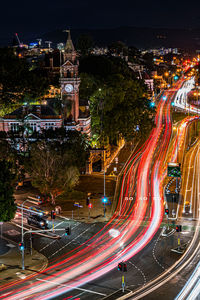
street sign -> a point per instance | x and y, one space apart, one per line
78 204
174 170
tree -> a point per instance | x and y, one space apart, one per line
118 48
134 55
148 61
18 82
76 145
5 149
120 109
7 205
51 170
84 44
89 84
117 99
73 142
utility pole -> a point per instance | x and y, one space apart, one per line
123 268
104 200
22 233
31 242
21 245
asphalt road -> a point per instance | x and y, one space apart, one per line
143 267
151 261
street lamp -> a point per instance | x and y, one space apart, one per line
167 77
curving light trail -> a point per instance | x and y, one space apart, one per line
180 100
102 252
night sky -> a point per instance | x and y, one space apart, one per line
30 18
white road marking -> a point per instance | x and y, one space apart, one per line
64 218
154 255
77 295
75 288
12 232
71 241
58 224
11 245
56 240
144 277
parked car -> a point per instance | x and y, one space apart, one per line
38 221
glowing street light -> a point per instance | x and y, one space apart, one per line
104 201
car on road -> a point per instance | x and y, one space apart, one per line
38 221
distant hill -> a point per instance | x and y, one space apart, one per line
133 36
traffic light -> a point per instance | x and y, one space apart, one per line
90 205
125 268
166 211
68 231
178 228
122 267
53 215
104 199
88 201
21 246
152 104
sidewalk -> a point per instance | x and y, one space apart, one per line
10 263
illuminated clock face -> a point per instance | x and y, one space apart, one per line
69 88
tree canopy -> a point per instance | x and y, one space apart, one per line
51 169
84 44
117 99
17 82
7 205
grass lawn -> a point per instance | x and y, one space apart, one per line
88 184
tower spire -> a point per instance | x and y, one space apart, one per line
69 47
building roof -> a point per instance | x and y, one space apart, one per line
41 111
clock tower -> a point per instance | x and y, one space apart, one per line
70 82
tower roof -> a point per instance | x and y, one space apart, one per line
69 47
